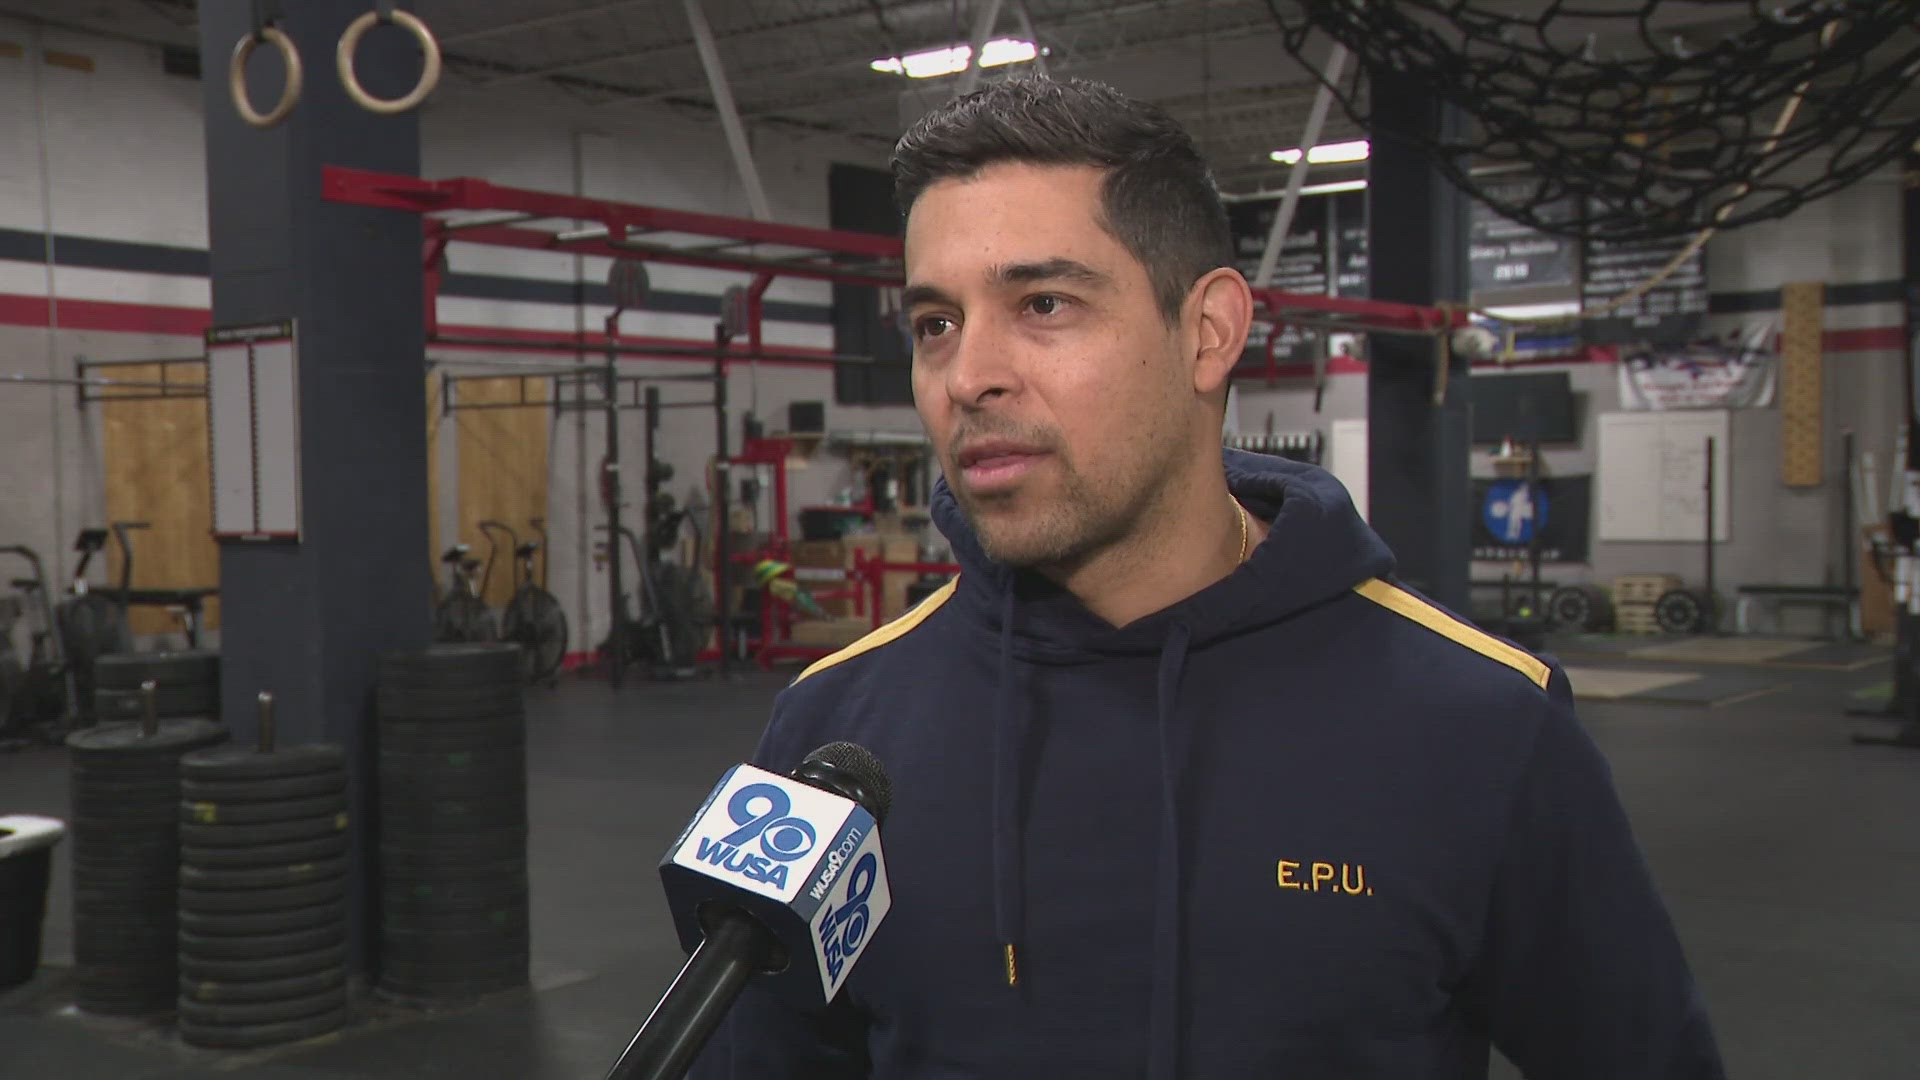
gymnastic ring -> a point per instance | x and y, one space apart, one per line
429 71
237 77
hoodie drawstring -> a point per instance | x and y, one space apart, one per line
1163 1028
1009 752
1009 744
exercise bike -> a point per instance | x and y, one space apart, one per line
93 623
34 695
676 613
461 615
533 618
676 606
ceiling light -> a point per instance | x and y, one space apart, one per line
953 59
1325 154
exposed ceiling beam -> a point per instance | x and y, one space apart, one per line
839 102
692 104
678 45
872 8
540 21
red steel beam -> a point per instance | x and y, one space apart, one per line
1363 314
536 240
623 220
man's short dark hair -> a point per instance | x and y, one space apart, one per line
1158 199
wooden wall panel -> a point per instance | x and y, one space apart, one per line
157 471
503 465
1802 326
433 482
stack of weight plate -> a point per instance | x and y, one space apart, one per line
263 917
126 861
453 823
187 683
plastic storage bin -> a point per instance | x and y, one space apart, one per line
26 864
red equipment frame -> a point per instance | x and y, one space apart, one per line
742 245
732 243
802 251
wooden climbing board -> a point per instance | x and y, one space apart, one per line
155 456
1804 305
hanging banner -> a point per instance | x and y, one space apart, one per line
1350 244
1504 255
1705 375
1301 267
1508 512
1671 313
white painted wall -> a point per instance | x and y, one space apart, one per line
1780 535
122 152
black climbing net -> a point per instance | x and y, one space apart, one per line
1609 119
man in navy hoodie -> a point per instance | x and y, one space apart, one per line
1186 785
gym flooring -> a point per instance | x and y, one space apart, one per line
1789 856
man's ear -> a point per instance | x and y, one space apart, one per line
1221 305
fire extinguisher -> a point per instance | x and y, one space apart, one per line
609 483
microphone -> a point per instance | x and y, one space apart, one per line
776 876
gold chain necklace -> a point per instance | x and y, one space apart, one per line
1241 513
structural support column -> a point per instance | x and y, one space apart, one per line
306 620
729 115
1025 18
984 17
1417 451
1297 176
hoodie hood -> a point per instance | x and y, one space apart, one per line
1317 548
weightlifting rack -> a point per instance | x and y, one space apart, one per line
472 210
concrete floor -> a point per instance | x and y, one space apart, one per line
1790 857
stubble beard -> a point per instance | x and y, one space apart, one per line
1066 530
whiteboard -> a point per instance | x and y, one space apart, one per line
230 427
1653 472
277 445
1347 460
253 421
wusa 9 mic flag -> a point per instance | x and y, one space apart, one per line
805 862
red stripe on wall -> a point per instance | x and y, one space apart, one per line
112 315
16 310
1864 340
564 341
115 316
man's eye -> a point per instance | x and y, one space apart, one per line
931 326
1046 304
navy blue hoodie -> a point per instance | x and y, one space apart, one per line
1303 823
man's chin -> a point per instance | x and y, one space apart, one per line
1019 543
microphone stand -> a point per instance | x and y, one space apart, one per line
696 1003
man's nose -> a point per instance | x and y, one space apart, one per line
983 366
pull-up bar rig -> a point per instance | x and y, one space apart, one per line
540 221
504 216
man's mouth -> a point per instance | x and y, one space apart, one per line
991 466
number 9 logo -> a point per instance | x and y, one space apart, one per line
787 839
855 930
783 838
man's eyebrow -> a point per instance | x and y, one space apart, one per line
914 295
1024 273
1059 268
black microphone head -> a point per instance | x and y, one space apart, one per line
799 853
850 771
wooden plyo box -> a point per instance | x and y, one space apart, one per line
838 555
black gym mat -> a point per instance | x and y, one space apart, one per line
1840 656
1712 690
1703 689
1723 651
